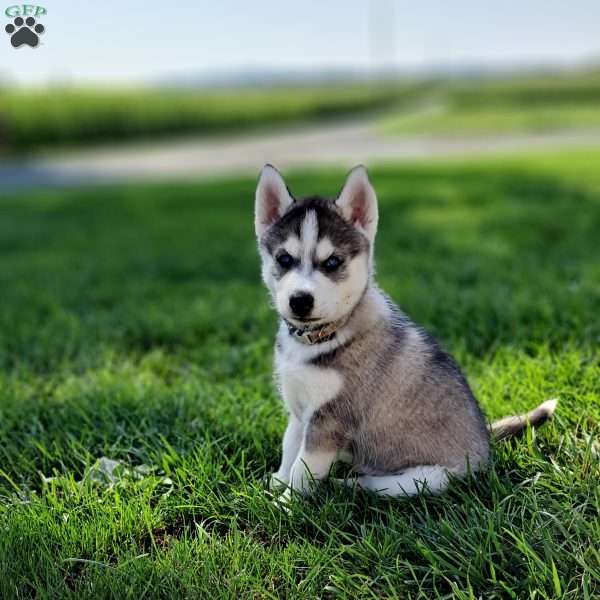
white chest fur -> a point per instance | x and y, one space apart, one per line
304 387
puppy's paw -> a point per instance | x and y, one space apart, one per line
283 500
301 480
278 481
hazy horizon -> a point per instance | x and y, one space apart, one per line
141 43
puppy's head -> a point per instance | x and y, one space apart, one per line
316 253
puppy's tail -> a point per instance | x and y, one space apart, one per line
516 425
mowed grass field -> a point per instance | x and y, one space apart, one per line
519 104
44 119
40 119
133 328
446 120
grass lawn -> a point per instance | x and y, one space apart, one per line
44 119
33 119
516 104
449 120
133 327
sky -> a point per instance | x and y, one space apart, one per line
131 42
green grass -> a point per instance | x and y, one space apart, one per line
566 88
46 118
494 120
518 104
133 326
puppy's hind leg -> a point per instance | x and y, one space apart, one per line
433 479
311 465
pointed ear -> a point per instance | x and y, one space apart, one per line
272 199
358 202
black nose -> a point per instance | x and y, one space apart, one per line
301 304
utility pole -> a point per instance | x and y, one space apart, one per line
382 35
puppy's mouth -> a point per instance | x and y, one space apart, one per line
306 323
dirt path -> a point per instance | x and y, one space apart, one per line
342 144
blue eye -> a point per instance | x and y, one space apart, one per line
285 260
332 263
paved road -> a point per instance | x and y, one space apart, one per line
342 144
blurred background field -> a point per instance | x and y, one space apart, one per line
36 119
400 72
495 105
459 106
70 135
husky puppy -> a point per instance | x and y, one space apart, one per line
361 382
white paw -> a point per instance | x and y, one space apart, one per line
282 502
300 479
278 480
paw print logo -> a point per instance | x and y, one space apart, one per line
24 32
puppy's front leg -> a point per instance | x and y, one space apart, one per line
292 440
317 454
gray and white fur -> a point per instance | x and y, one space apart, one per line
374 390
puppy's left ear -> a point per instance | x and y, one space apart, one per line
358 202
272 199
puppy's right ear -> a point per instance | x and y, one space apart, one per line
358 202
272 199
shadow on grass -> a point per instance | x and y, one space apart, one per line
481 257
